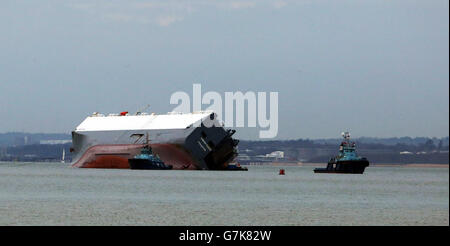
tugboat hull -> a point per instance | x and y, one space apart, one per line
231 167
144 164
349 167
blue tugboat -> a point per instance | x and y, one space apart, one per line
235 167
347 160
147 160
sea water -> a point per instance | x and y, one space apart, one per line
57 194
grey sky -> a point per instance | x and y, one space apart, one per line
377 68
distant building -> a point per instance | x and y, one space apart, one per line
406 153
3 152
276 155
55 141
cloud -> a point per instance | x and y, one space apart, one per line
146 5
279 4
81 6
161 12
167 20
242 5
121 17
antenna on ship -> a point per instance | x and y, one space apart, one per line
143 109
147 140
63 156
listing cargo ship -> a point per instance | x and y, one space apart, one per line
347 160
193 141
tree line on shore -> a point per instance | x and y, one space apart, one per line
29 147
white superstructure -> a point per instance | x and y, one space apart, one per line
141 122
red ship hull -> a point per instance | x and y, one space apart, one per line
116 156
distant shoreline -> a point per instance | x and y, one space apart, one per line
413 165
298 164
421 165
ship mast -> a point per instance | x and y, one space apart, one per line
139 112
63 156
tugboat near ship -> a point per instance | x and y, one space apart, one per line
235 167
148 160
347 160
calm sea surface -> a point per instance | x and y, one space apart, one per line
56 194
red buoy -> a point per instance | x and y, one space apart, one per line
281 171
